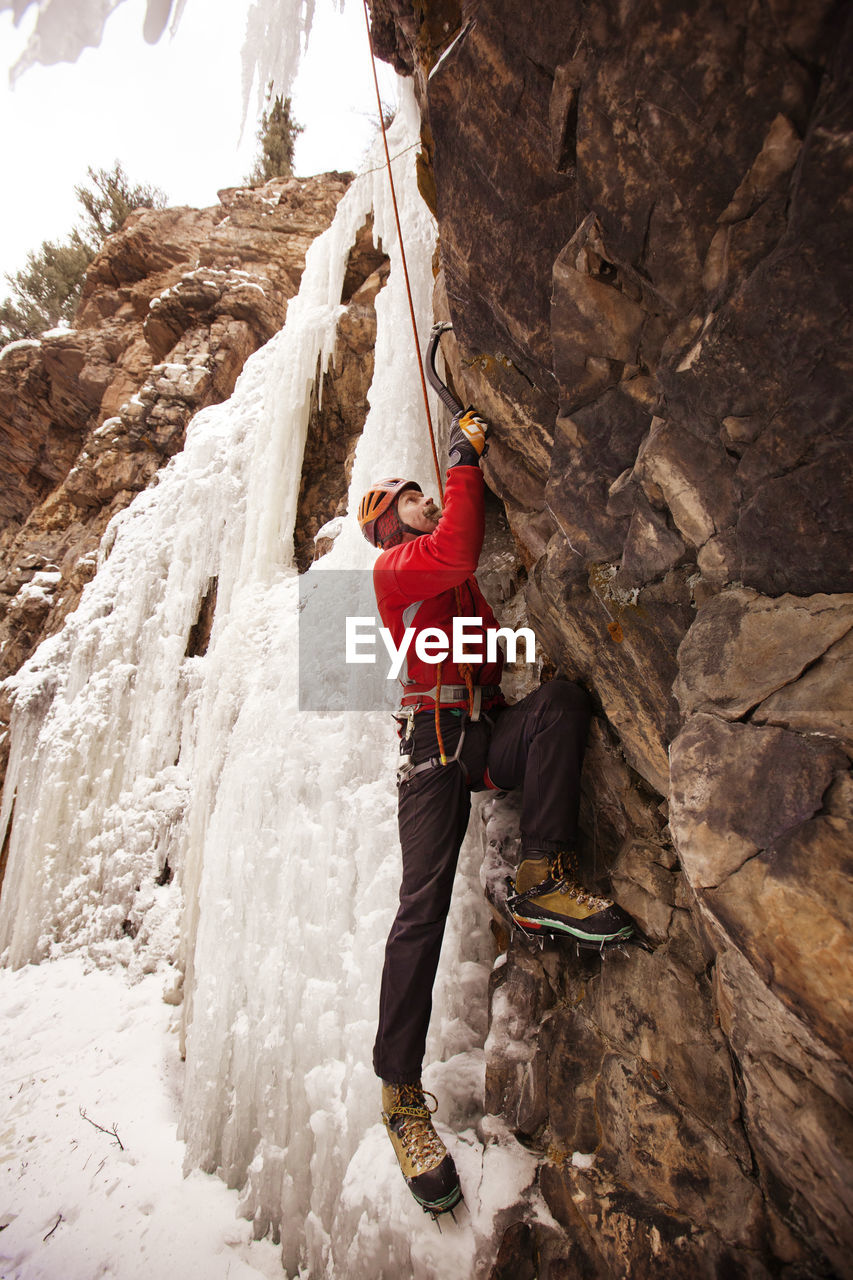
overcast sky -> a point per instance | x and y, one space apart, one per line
171 112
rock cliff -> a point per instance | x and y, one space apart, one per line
643 215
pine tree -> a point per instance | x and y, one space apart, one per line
277 135
109 199
47 289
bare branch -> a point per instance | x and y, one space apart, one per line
111 1133
53 1228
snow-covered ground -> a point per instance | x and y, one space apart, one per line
77 1203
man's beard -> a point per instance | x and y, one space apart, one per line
432 512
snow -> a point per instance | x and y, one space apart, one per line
450 48
330 529
76 1204
40 587
20 344
181 826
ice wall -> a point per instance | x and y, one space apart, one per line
279 826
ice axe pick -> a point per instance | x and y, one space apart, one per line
442 391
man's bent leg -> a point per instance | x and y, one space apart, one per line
433 815
539 745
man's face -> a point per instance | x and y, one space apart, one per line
418 511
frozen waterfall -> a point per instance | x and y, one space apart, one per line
278 825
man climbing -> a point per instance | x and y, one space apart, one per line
458 735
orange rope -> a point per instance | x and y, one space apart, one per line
442 755
465 667
403 254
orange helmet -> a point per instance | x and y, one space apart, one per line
379 497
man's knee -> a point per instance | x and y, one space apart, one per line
564 700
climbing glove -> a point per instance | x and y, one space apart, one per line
468 434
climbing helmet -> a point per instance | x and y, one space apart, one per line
378 499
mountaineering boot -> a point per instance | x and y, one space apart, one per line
548 899
428 1169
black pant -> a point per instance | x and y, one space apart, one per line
538 744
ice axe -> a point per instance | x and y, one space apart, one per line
443 392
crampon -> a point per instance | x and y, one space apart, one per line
546 900
536 935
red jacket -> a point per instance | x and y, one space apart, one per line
415 584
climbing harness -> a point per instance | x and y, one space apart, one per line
450 695
407 769
444 695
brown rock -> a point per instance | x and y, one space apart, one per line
633 675
43 416
521 986
737 788
821 701
797 1098
575 1056
790 911
591 450
514 1259
808 512
693 478
563 117
652 1007
610 1231
705 202
645 888
591 315
776 159
743 647
718 564
664 1153
616 808
651 547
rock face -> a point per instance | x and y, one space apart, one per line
643 215
172 307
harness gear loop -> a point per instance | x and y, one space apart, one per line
403 254
407 769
